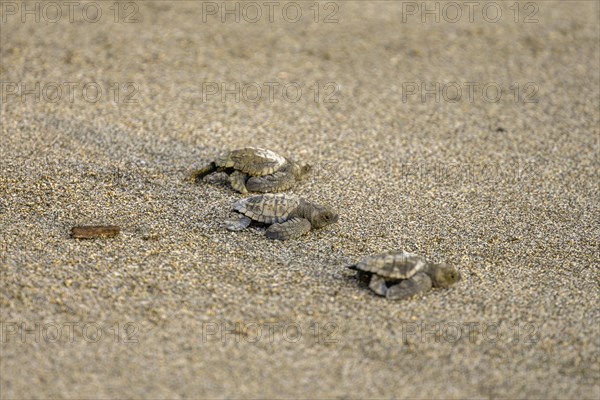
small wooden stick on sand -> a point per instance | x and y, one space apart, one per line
96 231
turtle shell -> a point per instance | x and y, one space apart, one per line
393 265
268 208
252 161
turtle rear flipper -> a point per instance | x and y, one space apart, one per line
200 173
419 283
237 222
238 181
289 229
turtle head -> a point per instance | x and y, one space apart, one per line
320 216
301 170
443 275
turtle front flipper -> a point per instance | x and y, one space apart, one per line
289 229
419 283
277 182
377 284
238 181
237 222
200 173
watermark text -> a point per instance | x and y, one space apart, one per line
254 92
71 92
53 12
454 92
68 332
269 11
469 11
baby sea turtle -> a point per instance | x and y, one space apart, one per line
399 275
289 216
256 170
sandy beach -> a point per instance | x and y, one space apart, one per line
469 136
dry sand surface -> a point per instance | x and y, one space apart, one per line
504 185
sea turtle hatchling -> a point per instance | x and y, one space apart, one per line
399 275
289 216
256 170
